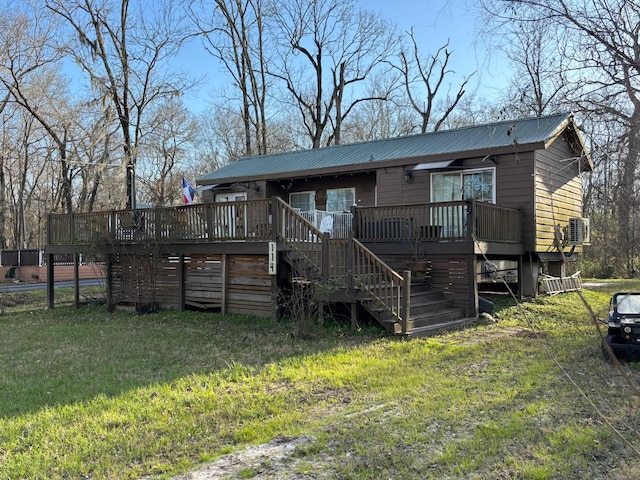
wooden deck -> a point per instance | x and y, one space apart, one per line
237 256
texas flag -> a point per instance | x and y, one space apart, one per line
187 191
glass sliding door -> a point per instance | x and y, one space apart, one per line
456 186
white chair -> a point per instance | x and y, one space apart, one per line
326 225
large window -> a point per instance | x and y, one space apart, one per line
341 199
464 185
303 201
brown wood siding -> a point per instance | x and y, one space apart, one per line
203 281
364 183
143 280
390 186
558 189
393 189
249 285
450 274
417 189
514 188
167 282
132 280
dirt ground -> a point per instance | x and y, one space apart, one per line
270 461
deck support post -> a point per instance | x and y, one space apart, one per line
349 261
405 299
181 279
472 286
50 281
111 307
528 273
274 220
353 307
76 280
224 287
325 257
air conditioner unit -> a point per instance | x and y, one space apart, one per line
579 231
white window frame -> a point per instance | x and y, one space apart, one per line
310 193
461 174
351 189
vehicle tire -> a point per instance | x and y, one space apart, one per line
605 351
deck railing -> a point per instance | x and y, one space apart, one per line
343 261
381 283
336 224
302 237
496 223
443 221
252 221
243 220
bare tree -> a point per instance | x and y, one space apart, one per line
604 67
125 52
429 74
233 33
540 84
169 137
29 76
94 144
325 49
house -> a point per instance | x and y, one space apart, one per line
452 207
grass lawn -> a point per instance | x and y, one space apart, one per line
88 394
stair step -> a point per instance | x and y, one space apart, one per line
429 294
430 329
421 287
435 318
428 306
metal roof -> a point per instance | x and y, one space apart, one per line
374 154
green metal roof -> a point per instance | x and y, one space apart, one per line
373 154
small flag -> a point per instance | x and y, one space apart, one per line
187 191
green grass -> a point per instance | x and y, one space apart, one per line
88 394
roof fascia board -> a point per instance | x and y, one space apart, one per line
569 123
397 162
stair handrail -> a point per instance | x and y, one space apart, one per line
299 234
381 283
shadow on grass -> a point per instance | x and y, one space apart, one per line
65 355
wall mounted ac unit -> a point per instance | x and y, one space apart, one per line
579 231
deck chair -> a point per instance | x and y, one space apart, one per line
326 225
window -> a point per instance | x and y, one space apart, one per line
478 185
303 201
341 199
463 185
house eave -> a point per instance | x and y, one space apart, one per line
376 165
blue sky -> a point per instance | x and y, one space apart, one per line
434 22
460 22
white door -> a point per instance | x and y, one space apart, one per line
230 219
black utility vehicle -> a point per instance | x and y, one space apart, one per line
623 334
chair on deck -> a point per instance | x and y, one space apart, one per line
326 225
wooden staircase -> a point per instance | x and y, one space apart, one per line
405 308
430 311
